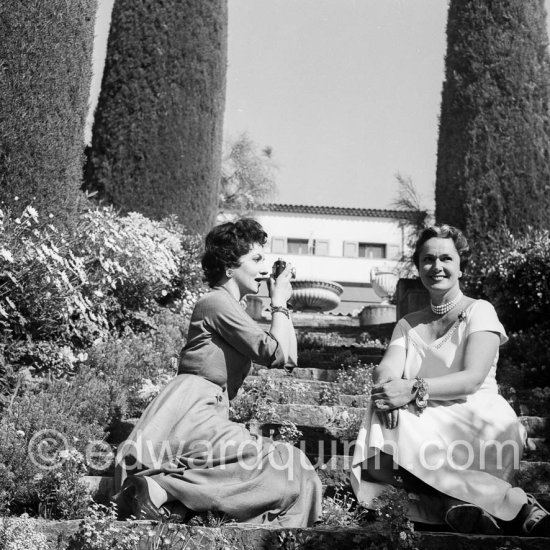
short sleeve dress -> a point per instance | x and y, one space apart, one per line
468 449
187 444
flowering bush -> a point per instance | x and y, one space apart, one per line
43 284
61 292
20 534
44 435
514 276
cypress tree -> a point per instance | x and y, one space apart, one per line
493 156
157 136
45 74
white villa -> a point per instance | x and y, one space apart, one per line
335 244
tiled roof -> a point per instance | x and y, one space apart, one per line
337 211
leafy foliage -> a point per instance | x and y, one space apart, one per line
248 176
493 162
60 291
157 136
46 426
46 71
514 276
513 273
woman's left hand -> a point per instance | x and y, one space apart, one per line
392 393
390 418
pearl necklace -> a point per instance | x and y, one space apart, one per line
445 307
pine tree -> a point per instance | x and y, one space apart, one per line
493 163
45 75
157 136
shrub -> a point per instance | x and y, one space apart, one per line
59 292
21 534
514 275
46 72
157 136
525 360
493 159
139 365
518 281
45 435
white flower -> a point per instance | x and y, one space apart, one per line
20 433
6 254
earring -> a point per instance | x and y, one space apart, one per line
459 274
229 273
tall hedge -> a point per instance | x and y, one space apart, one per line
157 136
493 161
45 74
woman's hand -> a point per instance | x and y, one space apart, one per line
392 393
280 289
390 419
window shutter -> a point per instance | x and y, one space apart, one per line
321 247
278 245
351 249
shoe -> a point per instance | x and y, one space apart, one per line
471 519
537 521
133 500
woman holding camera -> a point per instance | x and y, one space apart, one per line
185 455
437 419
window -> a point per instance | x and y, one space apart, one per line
282 245
297 246
372 250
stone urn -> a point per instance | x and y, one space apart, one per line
384 283
315 295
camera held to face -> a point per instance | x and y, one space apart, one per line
279 266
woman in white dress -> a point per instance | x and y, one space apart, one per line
436 419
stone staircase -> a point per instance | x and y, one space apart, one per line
302 397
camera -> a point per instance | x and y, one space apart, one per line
279 266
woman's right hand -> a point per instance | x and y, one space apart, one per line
280 289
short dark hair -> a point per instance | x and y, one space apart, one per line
226 243
444 231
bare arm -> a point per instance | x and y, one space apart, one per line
392 364
479 354
281 326
293 348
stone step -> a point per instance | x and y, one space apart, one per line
308 392
333 469
313 374
375 535
321 416
335 418
533 477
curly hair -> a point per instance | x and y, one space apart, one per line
444 231
226 243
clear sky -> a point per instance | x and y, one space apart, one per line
346 92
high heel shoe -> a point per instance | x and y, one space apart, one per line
471 519
133 500
537 519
